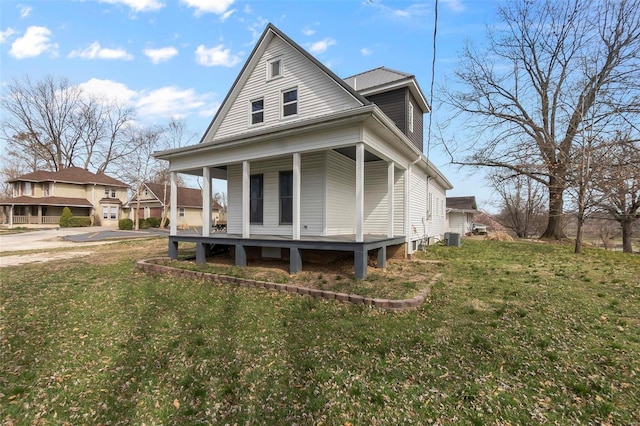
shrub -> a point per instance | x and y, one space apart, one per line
143 224
153 222
65 217
166 223
81 221
125 224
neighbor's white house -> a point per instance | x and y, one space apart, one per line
315 162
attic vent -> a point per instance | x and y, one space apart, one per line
274 68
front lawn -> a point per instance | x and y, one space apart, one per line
514 333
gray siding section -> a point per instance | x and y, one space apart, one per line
341 194
395 105
317 93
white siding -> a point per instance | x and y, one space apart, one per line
312 191
438 218
418 219
234 199
398 203
341 194
312 195
317 93
376 199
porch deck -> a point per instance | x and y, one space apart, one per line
345 243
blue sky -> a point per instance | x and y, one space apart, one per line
179 58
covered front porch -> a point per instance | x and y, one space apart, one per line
34 213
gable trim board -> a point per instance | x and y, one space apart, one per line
256 55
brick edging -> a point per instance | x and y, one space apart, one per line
150 266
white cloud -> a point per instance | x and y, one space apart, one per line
33 43
216 56
171 101
308 31
4 35
226 15
455 5
365 52
218 7
25 10
138 5
95 51
414 11
109 89
160 55
321 46
162 103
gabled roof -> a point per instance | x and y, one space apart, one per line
46 201
269 33
462 204
70 175
383 79
187 197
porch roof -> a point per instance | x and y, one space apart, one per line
46 201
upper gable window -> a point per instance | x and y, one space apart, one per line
410 117
257 111
290 102
274 68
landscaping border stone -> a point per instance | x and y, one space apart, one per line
152 266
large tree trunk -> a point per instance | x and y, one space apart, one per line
626 236
579 234
555 225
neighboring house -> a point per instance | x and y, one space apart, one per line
156 196
314 162
460 211
39 197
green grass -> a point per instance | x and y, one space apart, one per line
514 333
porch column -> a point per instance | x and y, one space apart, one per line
173 215
206 201
296 196
246 199
407 206
40 215
390 197
11 216
360 192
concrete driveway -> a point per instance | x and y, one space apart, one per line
78 240
68 237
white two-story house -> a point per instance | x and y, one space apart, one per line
315 162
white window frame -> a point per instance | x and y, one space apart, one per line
270 63
410 116
181 212
283 104
251 112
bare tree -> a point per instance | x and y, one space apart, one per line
139 167
45 112
521 203
546 67
54 125
619 184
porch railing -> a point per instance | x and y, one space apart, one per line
33 220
